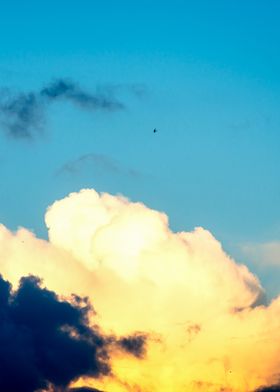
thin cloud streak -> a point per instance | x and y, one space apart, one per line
92 161
23 115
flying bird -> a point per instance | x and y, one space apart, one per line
155 130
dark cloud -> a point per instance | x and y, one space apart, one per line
272 388
23 114
135 344
65 89
46 343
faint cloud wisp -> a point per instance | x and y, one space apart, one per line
23 114
92 161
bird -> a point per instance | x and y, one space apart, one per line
155 130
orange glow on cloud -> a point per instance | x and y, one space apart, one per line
208 326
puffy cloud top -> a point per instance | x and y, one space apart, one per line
208 325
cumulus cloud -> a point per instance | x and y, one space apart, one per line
23 114
205 317
83 389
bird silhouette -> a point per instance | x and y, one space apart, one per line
155 130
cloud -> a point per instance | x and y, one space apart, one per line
65 89
273 388
23 115
204 323
135 344
45 341
93 161
83 389
267 253
137 89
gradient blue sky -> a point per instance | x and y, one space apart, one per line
209 71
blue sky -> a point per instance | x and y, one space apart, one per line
208 74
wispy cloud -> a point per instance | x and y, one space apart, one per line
135 344
65 89
266 253
137 89
23 114
92 161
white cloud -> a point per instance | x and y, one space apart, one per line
196 302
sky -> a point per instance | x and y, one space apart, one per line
84 177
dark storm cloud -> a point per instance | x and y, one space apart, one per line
46 343
23 114
272 388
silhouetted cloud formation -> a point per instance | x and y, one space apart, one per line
135 344
23 114
272 388
47 343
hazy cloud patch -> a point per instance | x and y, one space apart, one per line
93 162
23 115
266 253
